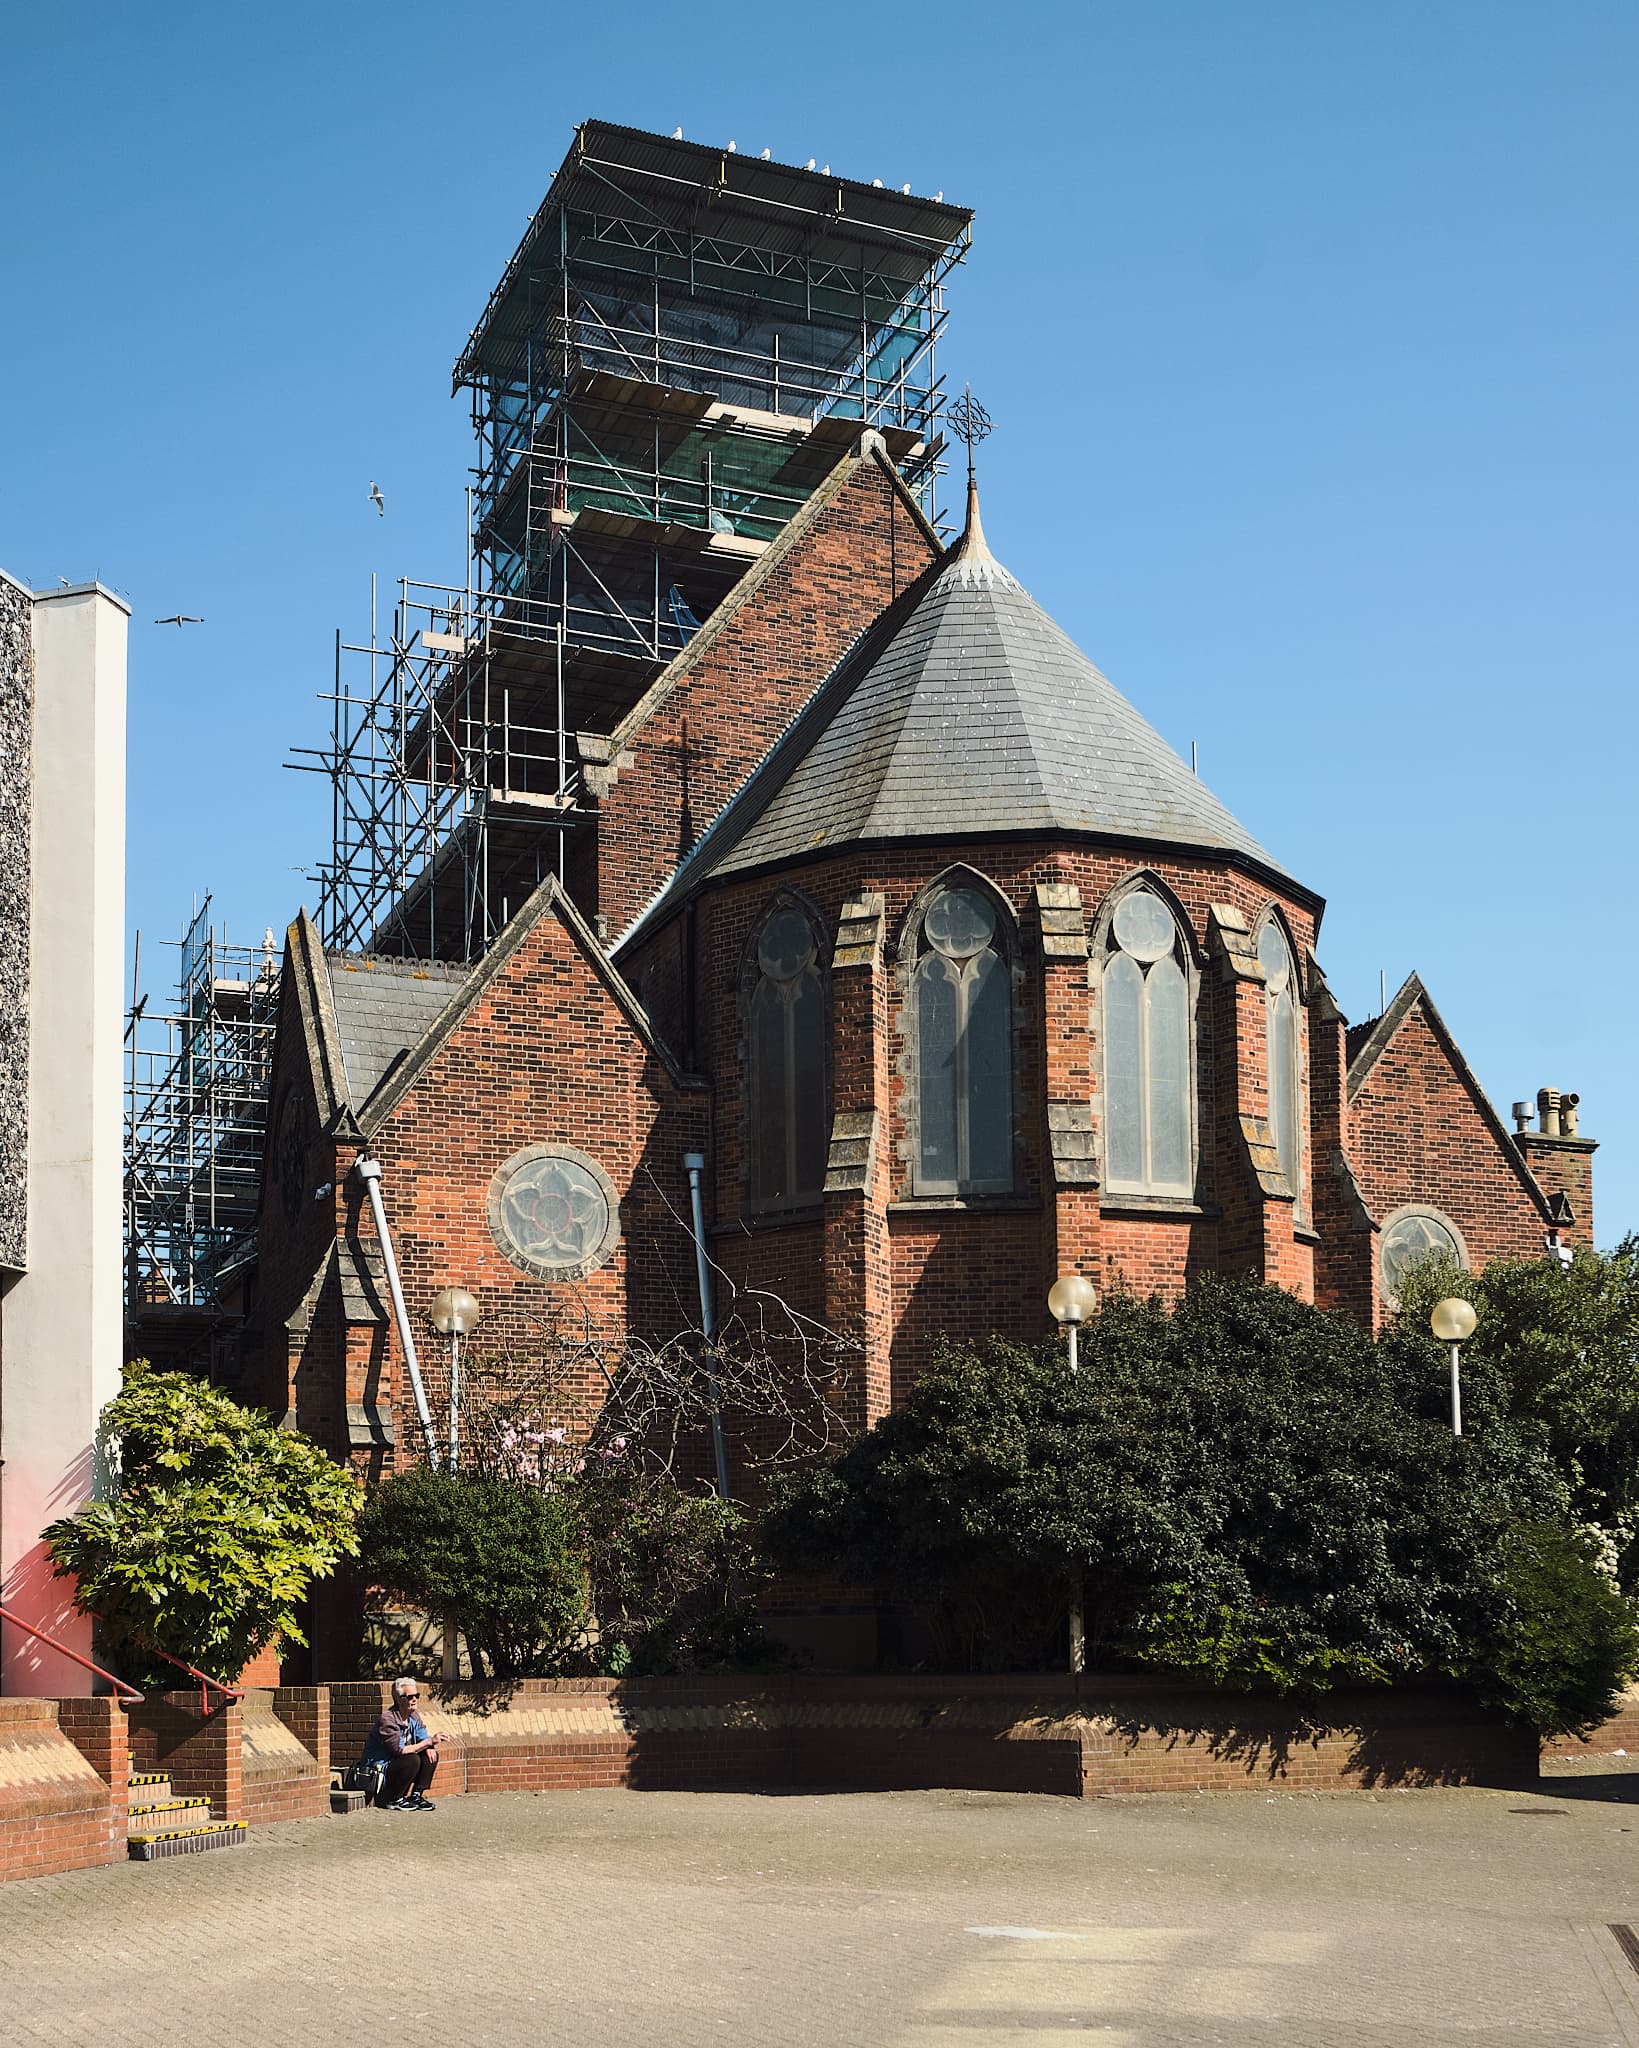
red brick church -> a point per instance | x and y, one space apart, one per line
956 978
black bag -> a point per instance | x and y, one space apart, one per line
367 1778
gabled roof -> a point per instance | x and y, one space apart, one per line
373 1026
967 712
1380 1035
870 448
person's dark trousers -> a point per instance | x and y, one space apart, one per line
407 1774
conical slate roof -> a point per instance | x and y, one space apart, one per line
975 715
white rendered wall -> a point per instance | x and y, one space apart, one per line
63 1318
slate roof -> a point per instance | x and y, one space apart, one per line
968 712
384 1008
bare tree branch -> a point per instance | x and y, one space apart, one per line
577 1392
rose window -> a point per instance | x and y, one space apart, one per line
1413 1233
554 1212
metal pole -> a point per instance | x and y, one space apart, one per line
451 1669
455 1400
1456 1395
1075 1362
694 1164
369 1171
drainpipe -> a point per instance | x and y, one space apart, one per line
694 1164
369 1171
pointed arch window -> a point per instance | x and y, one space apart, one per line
785 1080
962 1005
1285 1086
1149 1120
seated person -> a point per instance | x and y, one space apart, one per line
402 1743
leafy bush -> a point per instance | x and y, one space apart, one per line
1564 1346
674 1573
1246 1489
496 1556
218 1524
1566 1640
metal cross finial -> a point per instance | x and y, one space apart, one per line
969 422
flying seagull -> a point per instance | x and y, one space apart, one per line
377 499
180 619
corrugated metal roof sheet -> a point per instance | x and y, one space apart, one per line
684 185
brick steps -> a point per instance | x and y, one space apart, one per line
149 1816
161 1824
151 1848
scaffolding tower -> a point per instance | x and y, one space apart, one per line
683 346
196 1084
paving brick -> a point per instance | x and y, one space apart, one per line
613 1920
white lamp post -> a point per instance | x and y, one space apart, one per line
1452 1321
455 1311
1072 1301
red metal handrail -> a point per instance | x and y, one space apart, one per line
228 1692
126 1691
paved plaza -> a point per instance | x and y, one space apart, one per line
901 1920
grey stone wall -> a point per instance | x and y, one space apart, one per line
16 730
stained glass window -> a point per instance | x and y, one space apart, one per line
1412 1234
963 1007
1285 1085
786 1054
554 1212
1148 1096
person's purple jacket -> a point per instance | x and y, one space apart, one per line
392 1731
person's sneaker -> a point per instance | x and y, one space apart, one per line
422 1803
401 1806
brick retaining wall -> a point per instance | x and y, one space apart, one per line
1029 1734
1616 1737
201 1752
264 1757
57 1812
284 1754
63 1772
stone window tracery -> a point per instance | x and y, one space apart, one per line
1411 1233
554 1212
785 1058
1285 1051
1149 1109
962 1031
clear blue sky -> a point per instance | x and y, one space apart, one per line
1309 332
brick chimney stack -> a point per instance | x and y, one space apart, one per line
1560 1158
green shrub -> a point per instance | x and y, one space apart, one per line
674 1572
1566 1639
218 1524
1247 1490
497 1556
1563 1345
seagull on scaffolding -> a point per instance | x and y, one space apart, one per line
180 619
377 499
